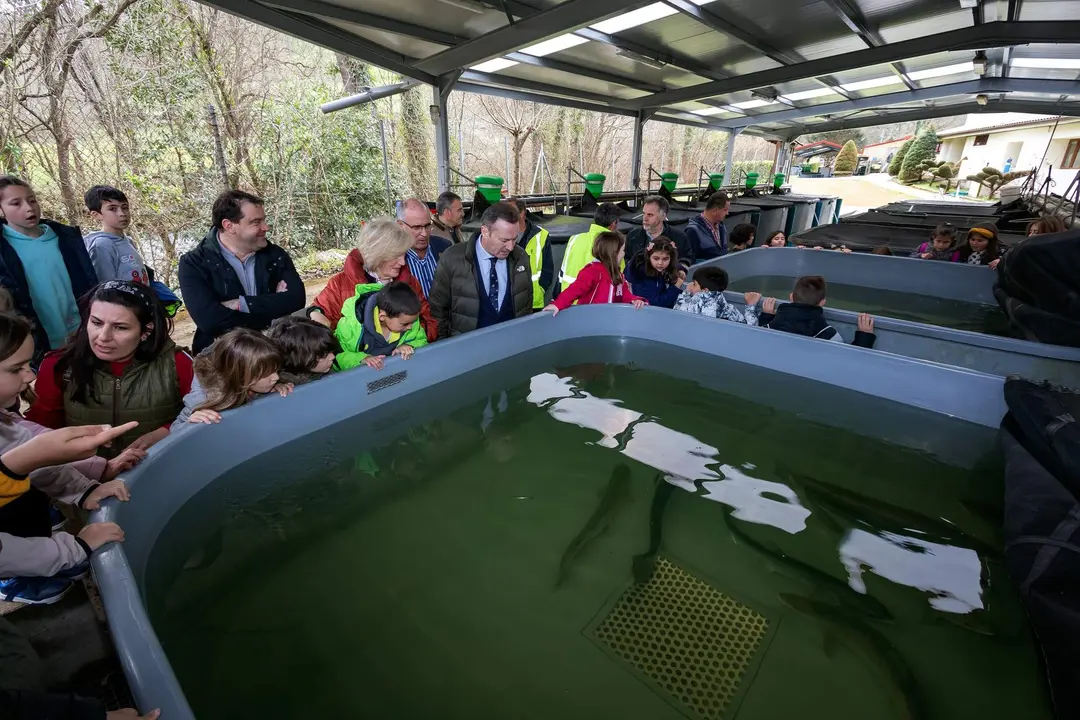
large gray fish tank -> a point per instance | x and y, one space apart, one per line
611 513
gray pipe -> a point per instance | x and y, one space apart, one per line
368 95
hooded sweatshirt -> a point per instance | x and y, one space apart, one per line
712 303
115 257
360 333
24 503
809 320
343 284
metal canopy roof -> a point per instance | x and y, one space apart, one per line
776 68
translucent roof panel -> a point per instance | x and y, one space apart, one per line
703 59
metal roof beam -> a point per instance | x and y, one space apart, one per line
359 17
513 83
667 115
601 75
544 99
667 57
316 31
970 87
994 106
722 25
563 18
986 35
855 22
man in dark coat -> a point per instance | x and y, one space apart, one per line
235 277
706 232
484 281
654 223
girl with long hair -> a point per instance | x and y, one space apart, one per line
601 281
983 246
654 273
240 366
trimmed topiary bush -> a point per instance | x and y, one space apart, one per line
992 178
898 158
847 160
923 149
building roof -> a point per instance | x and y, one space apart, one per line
821 147
739 64
823 144
889 142
993 122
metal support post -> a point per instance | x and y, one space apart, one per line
730 159
440 96
635 154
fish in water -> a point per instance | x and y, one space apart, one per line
823 584
843 509
615 495
871 647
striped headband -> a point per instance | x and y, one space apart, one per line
988 234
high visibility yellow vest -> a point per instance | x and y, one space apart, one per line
535 249
578 254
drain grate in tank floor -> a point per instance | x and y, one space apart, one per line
690 640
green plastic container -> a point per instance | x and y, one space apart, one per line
778 180
669 181
751 180
716 181
490 186
594 184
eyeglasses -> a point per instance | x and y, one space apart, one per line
417 228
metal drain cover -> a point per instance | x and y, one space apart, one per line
684 638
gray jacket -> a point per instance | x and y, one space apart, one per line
115 257
43 556
192 400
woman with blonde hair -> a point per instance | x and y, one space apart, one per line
379 258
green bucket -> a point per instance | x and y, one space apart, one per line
751 180
490 187
716 181
669 180
778 180
594 184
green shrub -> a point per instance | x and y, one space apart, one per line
923 149
847 160
898 158
992 178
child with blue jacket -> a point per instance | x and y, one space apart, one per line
654 273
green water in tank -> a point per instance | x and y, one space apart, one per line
603 541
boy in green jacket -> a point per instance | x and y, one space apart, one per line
378 321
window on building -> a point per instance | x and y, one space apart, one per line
1072 156
981 139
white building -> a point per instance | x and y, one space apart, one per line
1017 140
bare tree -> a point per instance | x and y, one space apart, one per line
66 28
518 119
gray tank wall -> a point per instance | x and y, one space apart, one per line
985 353
189 460
952 281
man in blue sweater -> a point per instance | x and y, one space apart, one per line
706 232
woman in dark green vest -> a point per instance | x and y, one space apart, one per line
119 366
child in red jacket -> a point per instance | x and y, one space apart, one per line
601 281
